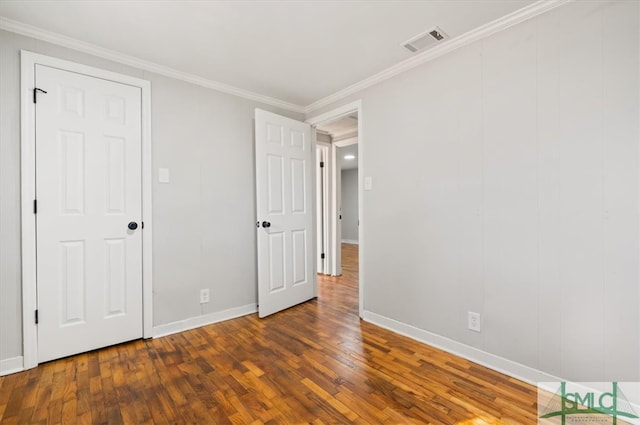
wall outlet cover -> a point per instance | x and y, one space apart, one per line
473 321
204 296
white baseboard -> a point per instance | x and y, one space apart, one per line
351 241
497 363
11 365
206 319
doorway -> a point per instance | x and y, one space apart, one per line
339 217
348 213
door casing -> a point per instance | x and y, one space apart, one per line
28 60
322 206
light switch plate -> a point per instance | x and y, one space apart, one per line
163 175
368 183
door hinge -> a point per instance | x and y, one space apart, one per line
35 206
321 164
36 317
322 256
35 94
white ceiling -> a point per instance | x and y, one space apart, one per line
341 128
295 51
348 164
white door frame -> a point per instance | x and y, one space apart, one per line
334 114
322 208
346 142
28 60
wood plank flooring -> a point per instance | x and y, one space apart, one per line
316 363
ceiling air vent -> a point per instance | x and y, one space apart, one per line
425 40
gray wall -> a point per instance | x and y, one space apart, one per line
514 164
204 233
350 205
321 137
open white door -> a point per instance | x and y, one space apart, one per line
89 208
284 167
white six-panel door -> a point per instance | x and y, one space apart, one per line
88 189
284 167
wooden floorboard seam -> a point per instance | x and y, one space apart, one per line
315 363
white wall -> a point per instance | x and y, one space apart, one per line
349 204
204 231
514 164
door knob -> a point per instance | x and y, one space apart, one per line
133 225
266 224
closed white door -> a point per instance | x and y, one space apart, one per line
284 163
89 207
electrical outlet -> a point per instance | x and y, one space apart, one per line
204 296
473 321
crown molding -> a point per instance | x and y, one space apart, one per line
112 55
448 46
340 137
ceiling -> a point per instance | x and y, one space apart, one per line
295 51
348 164
342 128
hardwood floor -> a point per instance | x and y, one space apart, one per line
315 363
